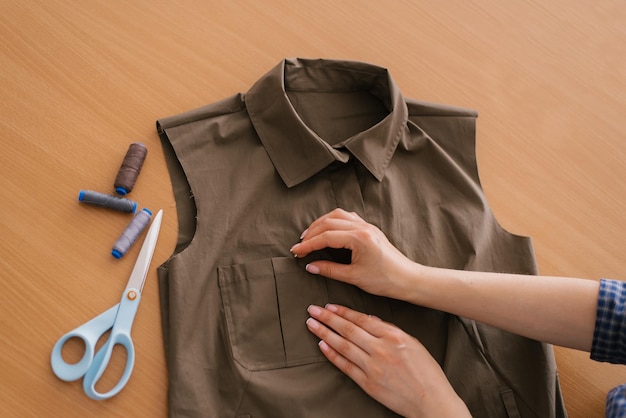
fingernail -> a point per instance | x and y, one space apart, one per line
312 268
312 323
314 310
304 233
331 307
323 345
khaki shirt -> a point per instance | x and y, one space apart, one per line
251 172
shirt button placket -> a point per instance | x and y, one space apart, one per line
345 184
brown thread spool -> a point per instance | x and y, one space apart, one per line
131 166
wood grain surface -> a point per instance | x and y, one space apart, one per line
81 80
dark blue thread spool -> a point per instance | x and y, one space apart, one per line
107 201
130 168
139 222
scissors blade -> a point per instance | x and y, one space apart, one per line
140 271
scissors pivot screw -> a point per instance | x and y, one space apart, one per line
132 295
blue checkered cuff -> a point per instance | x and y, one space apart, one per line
609 337
616 402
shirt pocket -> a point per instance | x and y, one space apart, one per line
265 305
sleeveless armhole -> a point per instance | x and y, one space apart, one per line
180 135
185 203
520 245
459 144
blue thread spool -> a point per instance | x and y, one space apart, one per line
107 201
131 233
131 166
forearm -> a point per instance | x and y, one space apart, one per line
555 310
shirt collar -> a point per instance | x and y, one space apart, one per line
295 150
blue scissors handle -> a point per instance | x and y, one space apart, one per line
120 334
119 319
90 332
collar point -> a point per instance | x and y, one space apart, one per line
379 176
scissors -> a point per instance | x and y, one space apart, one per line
119 319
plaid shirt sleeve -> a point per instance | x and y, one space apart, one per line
609 338
616 402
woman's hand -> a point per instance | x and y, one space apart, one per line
377 266
389 365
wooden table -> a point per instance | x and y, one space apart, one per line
81 80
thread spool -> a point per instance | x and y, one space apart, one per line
131 166
107 201
131 233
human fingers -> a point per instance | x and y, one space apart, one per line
339 350
342 363
331 269
332 238
322 223
346 338
347 332
370 323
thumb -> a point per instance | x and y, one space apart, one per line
331 270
